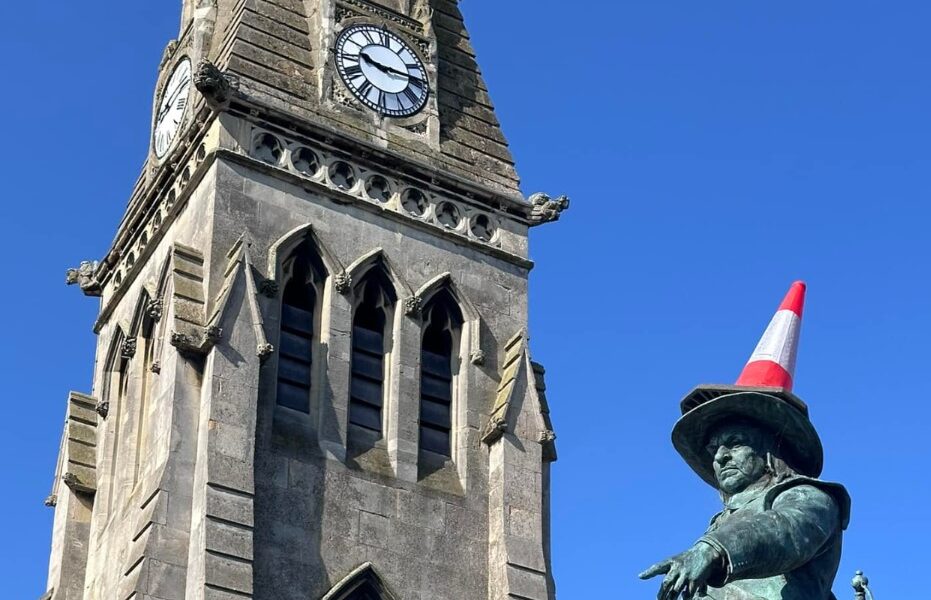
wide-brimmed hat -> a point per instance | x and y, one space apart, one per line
776 410
763 395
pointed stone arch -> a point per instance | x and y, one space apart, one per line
140 314
111 406
284 247
445 280
378 259
113 357
305 312
163 281
449 430
364 583
472 318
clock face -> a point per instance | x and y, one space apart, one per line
171 108
382 70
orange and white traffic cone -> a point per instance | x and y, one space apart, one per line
773 362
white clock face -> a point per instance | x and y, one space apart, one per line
382 70
171 108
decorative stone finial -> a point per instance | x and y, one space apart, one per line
343 283
51 501
154 309
412 306
213 334
128 349
103 409
477 358
83 276
269 288
180 341
545 209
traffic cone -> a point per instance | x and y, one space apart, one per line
773 362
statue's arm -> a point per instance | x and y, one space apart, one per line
778 540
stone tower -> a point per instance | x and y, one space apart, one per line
312 377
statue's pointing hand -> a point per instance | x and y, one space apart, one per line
686 574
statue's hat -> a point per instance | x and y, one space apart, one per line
762 394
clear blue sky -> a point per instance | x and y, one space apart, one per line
714 152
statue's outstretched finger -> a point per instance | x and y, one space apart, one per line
660 568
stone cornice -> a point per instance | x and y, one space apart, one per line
325 190
514 205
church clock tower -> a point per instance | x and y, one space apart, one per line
312 377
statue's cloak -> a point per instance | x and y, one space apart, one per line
783 543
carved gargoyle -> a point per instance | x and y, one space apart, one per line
214 84
545 209
83 276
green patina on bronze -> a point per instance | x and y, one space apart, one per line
780 533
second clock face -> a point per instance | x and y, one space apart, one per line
381 70
171 107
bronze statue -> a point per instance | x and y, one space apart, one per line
779 536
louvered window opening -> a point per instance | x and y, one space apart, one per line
436 375
295 360
368 372
367 391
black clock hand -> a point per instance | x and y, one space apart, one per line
386 69
375 63
403 74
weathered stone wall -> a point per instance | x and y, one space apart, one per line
319 515
141 515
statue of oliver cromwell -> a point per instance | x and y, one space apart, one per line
780 532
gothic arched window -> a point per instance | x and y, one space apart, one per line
439 362
116 382
370 329
304 278
147 335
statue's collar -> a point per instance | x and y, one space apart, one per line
741 499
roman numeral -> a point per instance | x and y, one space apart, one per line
353 71
411 95
368 36
365 88
182 102
382 101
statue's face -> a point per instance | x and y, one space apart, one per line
739 453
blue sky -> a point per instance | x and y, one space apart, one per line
714 152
